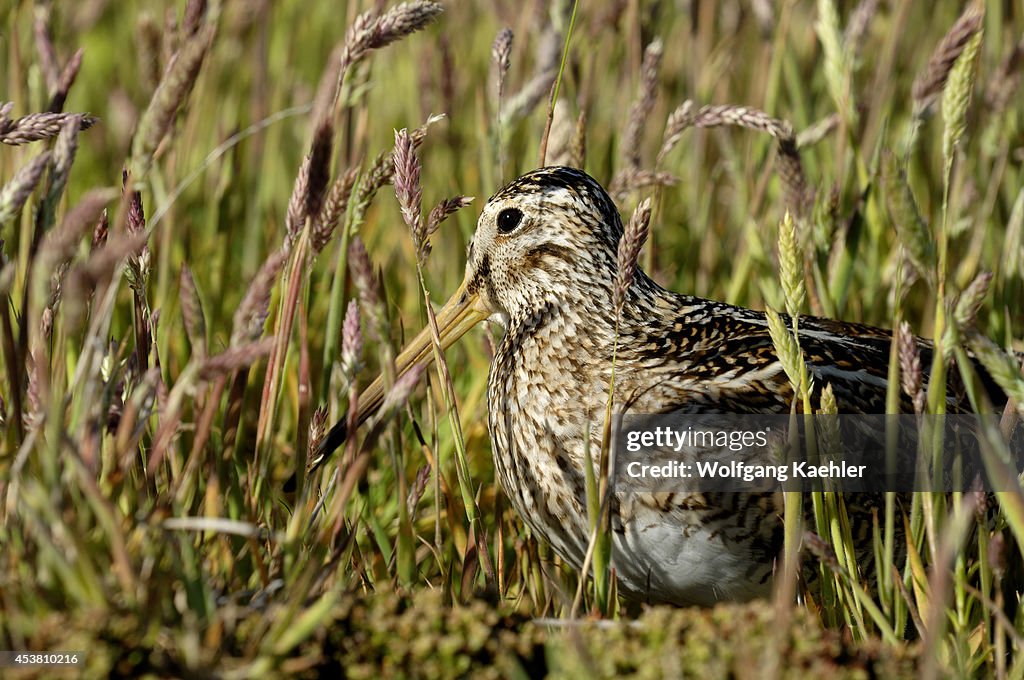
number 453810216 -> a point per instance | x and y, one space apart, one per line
10 659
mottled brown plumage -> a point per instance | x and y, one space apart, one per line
543 264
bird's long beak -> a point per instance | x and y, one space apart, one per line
463 310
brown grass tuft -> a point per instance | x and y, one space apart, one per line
252 312
911 374
633 238
16 192
790 168
929 83
642 105
36 126
410 192
174 88
326 223
371 30
501 52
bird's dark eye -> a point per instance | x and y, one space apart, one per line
509 219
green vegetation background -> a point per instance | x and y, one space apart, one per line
110 513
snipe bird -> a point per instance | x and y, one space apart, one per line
543 264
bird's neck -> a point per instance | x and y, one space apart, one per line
585 315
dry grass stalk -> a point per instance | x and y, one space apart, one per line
911 374
65 81
192 312
327 220
611 16
400 391
791 170
419 486
930 82
34 394
235 358
60 243
633 238
818 131
789 165
174 88
630 180
137 272
351 342
371 30
642 105
36 126
741 116
7 270
410 192
195 11
310 184
369 290
501 52
63 156
678 121
528 97
578 148
307 199
822 550
380 173
295 218
317 427
101 264
135 225
252 312
16 192
560 140
351 358
538 87
445 209
319 167
383 171
100 231
368 32
56 291
306 202
351 468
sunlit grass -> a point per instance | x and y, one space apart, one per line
151 418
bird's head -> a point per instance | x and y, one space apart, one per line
548 237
